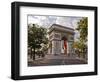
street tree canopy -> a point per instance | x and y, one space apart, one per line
81 44
36 36
83 28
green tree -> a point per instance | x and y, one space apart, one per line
81 44
83 29
36 37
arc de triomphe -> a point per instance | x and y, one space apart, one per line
61 40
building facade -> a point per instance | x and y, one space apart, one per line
61 40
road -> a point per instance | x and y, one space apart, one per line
46 62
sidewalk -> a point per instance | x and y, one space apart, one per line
59 57
48 57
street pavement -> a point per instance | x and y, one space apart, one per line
57 60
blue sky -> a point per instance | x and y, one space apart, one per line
47 21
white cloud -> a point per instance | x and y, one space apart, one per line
70 22
65 21
32 19
47 21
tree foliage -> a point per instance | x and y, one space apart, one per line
83 28
81 44
36 37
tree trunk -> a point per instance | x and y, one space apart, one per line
31 52
34 54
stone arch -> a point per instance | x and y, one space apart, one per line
64 38
64 46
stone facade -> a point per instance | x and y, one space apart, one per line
60 40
